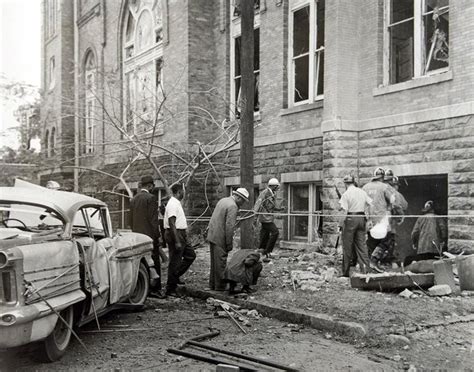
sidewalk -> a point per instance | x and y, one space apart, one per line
367 318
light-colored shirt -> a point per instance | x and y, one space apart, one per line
354 200
382 198
175 209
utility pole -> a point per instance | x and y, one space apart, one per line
247 116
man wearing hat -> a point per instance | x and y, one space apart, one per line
399 208
221 235
355 202
265 206
382 200
429 234
143 219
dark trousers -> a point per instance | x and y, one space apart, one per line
155 255
218 263
379 249
354 244
257 269
268 236
179 258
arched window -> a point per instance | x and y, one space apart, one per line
46 143
53 141
90 82
142 64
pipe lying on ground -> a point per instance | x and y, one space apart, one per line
242 356
210 360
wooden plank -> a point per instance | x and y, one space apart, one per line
388 281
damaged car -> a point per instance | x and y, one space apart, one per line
62 266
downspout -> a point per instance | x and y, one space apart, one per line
76 99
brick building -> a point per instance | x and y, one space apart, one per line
342 87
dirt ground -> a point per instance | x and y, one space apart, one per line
138 341
449 347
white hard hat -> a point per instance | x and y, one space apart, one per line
53 185
273 182
243 193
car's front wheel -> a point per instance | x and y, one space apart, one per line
140 293
54 346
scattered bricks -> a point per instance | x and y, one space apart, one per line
440 290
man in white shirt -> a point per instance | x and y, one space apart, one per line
181 253
355 203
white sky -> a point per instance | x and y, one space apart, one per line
20 50
21 40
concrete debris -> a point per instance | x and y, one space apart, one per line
407 293
440 290
398 340
309 280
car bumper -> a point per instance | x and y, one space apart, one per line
20 325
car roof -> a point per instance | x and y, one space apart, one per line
65 203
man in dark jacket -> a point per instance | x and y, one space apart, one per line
244 267
144 219
221 235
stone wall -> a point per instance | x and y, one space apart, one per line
429 148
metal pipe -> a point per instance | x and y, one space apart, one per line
242 356
207 359
199 338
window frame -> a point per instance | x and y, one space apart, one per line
419 45
314 188
313 75
132 64
236 32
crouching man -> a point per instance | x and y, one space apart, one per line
244 267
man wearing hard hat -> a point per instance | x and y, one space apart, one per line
265 206
379 214
221 235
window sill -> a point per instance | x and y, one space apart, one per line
301 108
415 83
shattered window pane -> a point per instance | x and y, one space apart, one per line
436 35
413 55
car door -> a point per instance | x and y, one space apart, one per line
94 242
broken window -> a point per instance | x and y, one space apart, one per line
237 73
418 38
306 75
142 64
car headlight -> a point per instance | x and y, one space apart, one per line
8 318
4 260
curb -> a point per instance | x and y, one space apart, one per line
318 321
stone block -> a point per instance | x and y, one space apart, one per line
440 290
458 190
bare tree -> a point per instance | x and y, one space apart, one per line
134 135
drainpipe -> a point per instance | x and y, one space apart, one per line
76 99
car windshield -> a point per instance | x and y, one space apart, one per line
27 217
